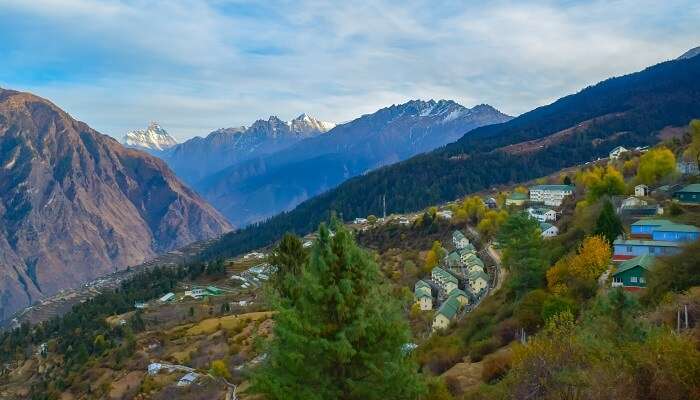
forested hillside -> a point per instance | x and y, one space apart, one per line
630 110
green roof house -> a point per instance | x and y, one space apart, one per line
446 313
214 290
689 194
631 274
424 295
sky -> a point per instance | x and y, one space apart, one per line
195 66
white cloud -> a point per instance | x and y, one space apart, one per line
196 66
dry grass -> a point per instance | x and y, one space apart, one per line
229 323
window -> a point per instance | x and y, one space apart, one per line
629 249
642 280
633 279
652 250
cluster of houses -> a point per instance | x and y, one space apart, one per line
460 279
648 238
256 275
543 199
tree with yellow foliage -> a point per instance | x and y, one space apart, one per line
489 224
521 189
692 153
576 274
601 181
655 165
218 368
432 258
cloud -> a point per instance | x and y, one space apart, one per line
198 65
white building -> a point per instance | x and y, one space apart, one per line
542 214
548 230
445 214
550 195
360 220
617 152
641 190
632 202
167 297
478 281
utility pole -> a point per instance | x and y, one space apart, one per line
384 206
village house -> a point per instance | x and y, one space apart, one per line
548 230
445 214
516 199
478 281
617 152
632 201
491 203
550 195
167 297
360 221
447 311
424 295
459 240
542 214
689 194
640 211
625 249
444 279
461 296
453 260
664 230
631 274
641 190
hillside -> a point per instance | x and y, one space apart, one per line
266 185
630 110
75 204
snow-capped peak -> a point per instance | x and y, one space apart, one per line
153 138
305 124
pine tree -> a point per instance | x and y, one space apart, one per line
342 337
608 223
288 258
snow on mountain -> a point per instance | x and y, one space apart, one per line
154 139
306 125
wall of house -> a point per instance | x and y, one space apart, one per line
640 250
673 236
633 277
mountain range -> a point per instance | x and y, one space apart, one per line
199 157
630 110
75 204
262 186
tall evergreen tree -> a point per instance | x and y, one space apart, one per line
520 237
608 223
289 258
342 337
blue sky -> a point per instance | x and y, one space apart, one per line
195 66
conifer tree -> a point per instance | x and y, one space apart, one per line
608 223
342 337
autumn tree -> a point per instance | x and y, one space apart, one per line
576 274
600 182
693 150
489 224
218 368
655 165
343 337
434 255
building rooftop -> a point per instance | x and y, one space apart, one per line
450 307
545 225
645 261
693 188
642 242
444 274
665 225
517 196
553 187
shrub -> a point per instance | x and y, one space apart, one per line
496 366
479 349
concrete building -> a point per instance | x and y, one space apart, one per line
550 195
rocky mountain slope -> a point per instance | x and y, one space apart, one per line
263 186
75 204
153 139
200 157
630 110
